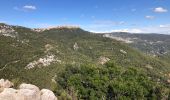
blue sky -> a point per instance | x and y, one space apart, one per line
92 15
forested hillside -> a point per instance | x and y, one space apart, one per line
77 64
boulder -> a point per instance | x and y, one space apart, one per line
8 94
47 95
28 92
25 92
5 84
29 87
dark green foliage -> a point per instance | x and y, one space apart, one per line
110 82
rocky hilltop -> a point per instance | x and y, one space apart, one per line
24 92
55 27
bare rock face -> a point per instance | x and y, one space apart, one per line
123 51
148 66
8 94
29 87
48 47
102 60
55 27
26 92
5 84
45 61
7 30
47 95
75 46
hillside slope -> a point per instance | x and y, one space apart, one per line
42 57
157 45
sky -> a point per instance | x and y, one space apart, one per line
137 16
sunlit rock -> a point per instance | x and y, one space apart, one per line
47 95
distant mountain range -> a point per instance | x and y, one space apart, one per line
78 64
152 44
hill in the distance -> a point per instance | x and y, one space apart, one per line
157 45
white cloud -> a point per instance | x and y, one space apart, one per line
128 30
149 17
118 30
162 29
102 25
165 26
135 30
25 8
160 10
30 7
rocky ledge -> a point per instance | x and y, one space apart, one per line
24 92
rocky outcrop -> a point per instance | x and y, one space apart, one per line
7 30
102 60
43 62
5 84
25 92
8 94
123 51
75 46
48 47
55 27
47 95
